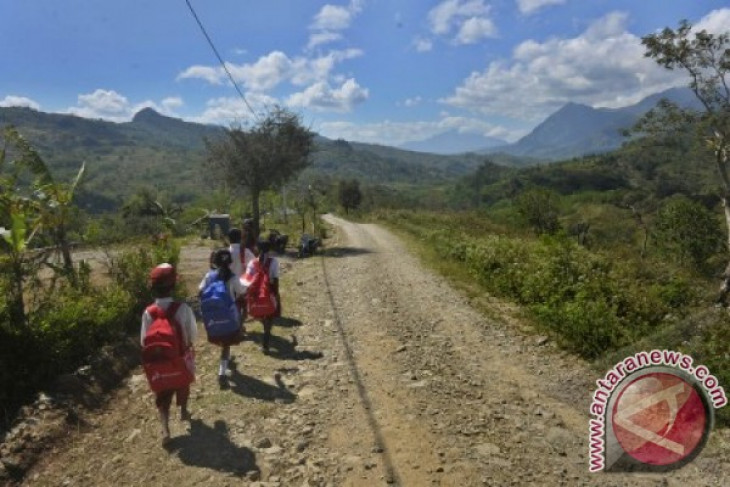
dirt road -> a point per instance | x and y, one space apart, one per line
380 375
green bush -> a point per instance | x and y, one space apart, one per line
79 323
688 231
591 301
68 325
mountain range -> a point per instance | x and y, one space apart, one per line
572 131
168 153
576 130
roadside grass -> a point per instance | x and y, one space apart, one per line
461 278
598 305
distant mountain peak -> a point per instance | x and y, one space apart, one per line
572 107
576 129
148 114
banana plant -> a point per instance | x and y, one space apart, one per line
16 241
52 200
56 212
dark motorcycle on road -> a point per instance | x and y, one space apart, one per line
307 245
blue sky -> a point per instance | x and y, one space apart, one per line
382 71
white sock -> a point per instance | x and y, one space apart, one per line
223 367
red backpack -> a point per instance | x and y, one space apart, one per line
165 359
260 302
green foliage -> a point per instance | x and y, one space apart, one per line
349 194
67 324
711 348
264 157
589 301
688 231
78 322
130 270
539 208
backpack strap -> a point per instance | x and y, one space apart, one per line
171 312
154 311
267 266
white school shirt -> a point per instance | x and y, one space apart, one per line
235 286
237 267
274 269
184 316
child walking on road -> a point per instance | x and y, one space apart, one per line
241 256
222 291
167 336
267 264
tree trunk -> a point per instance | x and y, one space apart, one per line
17 302
68 265
256 210
725 286
721 160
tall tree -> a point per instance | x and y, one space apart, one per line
705 58
264 157
349 194
539 208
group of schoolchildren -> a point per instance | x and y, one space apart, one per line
243 281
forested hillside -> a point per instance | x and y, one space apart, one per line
167 155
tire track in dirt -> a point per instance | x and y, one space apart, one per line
390 473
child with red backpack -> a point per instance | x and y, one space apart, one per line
221 292
167 335
241 256
263 301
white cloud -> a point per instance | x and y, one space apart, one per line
332 18
264 74
275 68
604 66
324 37
105 104
19 101
171 103
322 97
397 133
422 45
412 102
320 68
716 22
233 110
531 6
468 18
475 29
214 76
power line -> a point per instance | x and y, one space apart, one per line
220 59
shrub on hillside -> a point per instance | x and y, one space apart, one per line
687 231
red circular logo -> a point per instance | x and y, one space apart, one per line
659 419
